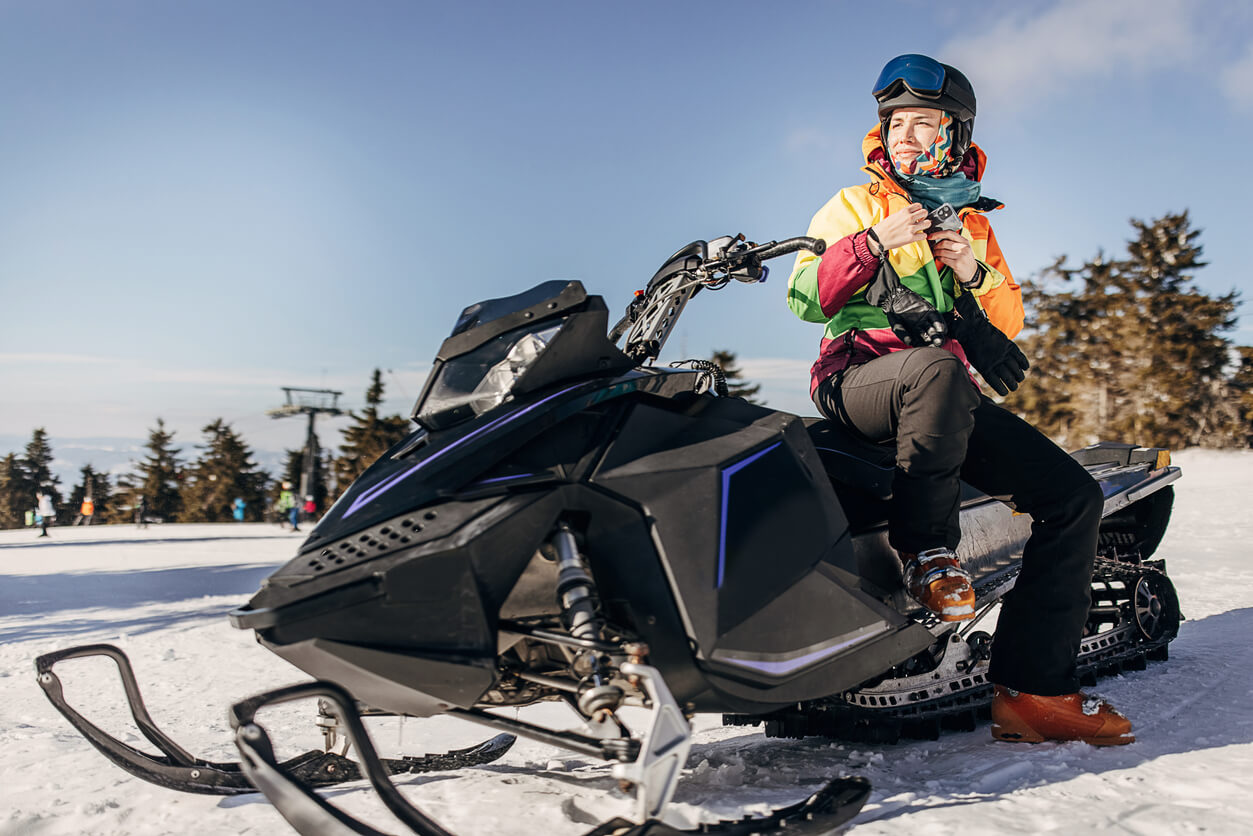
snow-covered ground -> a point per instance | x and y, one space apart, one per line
161 595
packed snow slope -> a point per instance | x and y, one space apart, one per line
162 593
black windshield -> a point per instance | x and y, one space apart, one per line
490 309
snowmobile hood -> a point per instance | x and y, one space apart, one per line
431 467
497 379
428 467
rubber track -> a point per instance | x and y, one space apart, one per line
968 703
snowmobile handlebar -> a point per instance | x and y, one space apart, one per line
772 249
653 313
757 253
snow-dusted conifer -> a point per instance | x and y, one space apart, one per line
223 473
35 467
13 505
369 436
156 477
1131 350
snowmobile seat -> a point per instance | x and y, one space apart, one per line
852 461
861 472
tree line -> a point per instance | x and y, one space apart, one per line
200 489
204 488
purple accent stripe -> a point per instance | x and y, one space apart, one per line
726 497
505 478
383 487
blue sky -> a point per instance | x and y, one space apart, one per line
205 200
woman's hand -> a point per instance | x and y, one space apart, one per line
903 227
952 250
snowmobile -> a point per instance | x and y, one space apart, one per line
570 522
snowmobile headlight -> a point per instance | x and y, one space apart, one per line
484 378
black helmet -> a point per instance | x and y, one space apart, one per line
919 81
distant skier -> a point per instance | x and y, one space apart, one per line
141 512
310 508
237 508
287 506
86 512
45 510
903 253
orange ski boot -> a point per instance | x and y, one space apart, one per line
936 580
1027 718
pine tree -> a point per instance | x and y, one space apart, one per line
101 495
1131 350
157 477
1047 396
1079 356
1180 397
1242 395
223 473
13 505
35 469
369 436
736 388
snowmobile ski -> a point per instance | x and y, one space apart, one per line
177 769
821 813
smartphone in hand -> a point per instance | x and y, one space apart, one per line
944 217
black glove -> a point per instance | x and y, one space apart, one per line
913 319
994 355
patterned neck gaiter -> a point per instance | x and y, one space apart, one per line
933 161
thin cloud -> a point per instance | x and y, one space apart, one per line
1024 58
809 139
236 379
249 378
1237 81
44 359
775 370
352 383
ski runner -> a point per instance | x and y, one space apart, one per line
906 305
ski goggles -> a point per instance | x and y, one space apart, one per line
923 76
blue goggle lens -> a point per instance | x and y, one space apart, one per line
924 76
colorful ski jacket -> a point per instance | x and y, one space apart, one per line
832 288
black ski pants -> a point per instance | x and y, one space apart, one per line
945 430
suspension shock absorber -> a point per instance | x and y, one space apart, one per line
580 611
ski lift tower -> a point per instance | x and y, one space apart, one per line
311 402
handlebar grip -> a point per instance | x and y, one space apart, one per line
815 245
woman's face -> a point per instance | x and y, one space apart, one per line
911 130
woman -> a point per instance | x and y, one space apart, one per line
893 367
